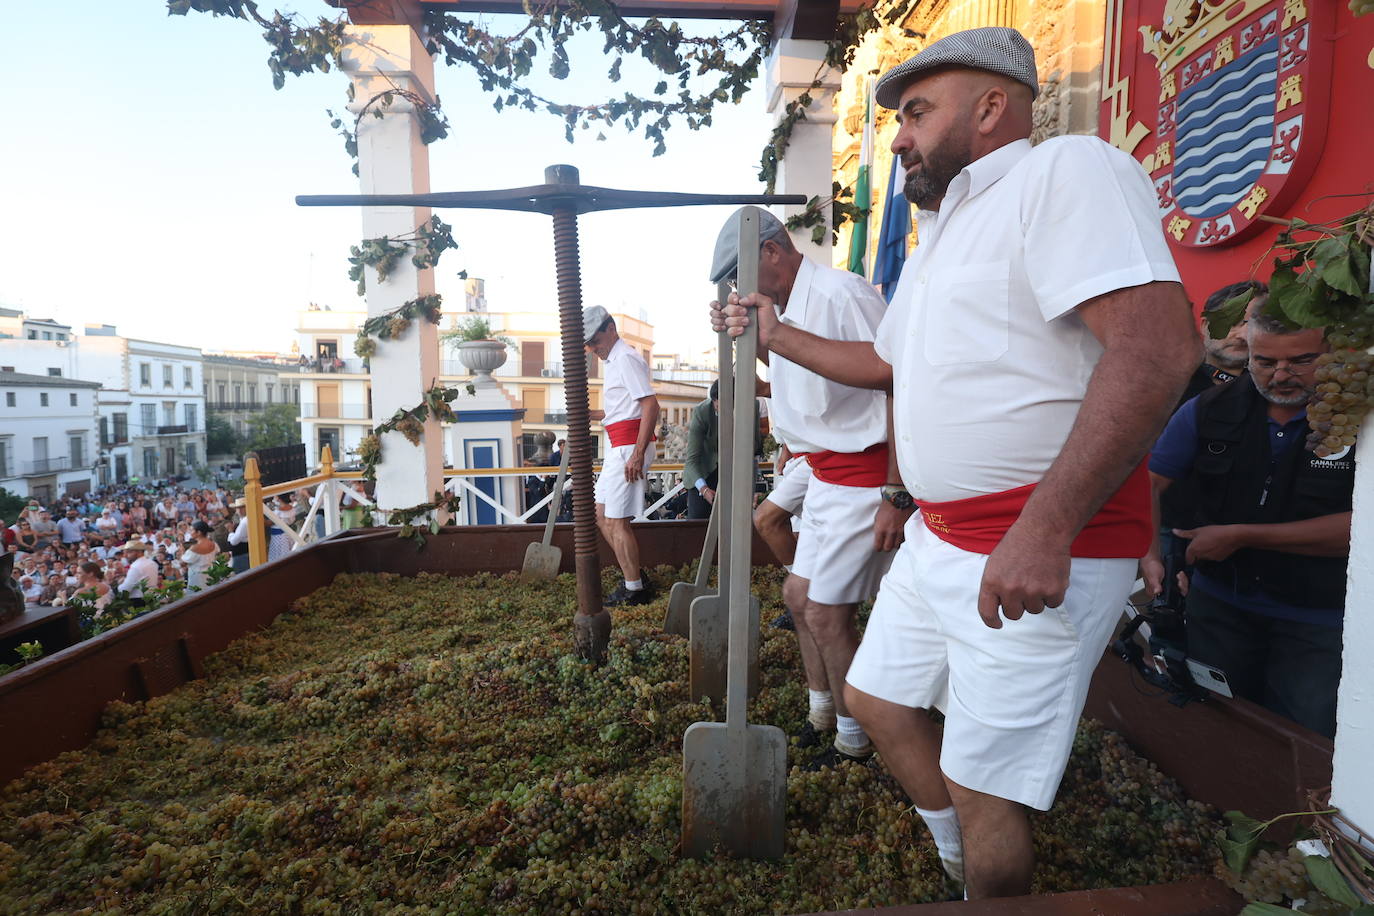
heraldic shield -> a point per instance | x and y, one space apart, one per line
1240 100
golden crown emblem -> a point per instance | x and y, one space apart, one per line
1189 24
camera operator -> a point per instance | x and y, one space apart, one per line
1269 531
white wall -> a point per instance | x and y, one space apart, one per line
58 422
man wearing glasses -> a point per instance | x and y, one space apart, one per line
1270 536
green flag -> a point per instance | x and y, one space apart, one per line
858 238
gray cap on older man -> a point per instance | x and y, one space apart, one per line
993 48
593 317
726 258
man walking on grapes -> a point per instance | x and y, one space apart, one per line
1269 530
1036 344
630 418
848 528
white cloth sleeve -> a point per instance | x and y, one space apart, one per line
1091 226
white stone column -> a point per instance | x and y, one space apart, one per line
808 167
392 160
1352 787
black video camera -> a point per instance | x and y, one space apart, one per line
1162 622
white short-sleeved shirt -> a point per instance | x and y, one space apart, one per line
811 413
990 360
627 380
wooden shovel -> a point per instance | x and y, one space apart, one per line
734 775
543 559
679 617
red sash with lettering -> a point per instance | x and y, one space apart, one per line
625 432
850 469
1121 528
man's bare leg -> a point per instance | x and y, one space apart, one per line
813 666
774 525
998 854
837 639
910 746
620 536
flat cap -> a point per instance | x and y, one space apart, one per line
993 48
593 317
726 258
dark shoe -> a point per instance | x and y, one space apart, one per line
783 622
623 596
834 757
809 737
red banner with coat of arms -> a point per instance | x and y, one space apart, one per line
1226 106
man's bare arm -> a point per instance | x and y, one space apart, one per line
1150 346
849 362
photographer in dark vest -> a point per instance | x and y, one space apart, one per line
1269 534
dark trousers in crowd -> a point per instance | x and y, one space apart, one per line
697 506
1285 666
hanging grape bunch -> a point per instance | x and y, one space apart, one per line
1322 280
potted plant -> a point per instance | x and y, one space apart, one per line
479 350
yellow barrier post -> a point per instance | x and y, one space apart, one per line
329 502
252 505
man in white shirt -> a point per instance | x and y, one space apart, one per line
1037 342
841 551
630 417
142 574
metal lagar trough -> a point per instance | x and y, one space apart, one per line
1229 754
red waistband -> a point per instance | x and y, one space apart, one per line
625 432
850 469
1121 528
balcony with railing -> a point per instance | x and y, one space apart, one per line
48 466
331 366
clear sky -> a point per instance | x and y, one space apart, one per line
148 170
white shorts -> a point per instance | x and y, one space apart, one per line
1011 697
835 547
789 489
621 498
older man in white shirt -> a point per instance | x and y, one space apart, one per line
142 575
1037 342
847 530
630 418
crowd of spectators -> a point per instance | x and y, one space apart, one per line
123 538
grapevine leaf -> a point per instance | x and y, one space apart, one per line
1265 909
1336 267
1240 841
1221 320
1329 880
434 526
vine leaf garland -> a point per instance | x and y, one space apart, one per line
396 322
429 241
409 423
433 122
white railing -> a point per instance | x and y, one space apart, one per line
459 482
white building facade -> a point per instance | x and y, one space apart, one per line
150 404
49 445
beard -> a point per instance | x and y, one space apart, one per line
1298 394
1222 353
926 186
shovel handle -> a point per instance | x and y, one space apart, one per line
708 548
725 439
742 479
556 503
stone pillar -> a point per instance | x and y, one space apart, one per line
392 160
808 167
1351 788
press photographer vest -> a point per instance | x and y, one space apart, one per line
1236 482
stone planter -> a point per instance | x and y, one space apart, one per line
482 357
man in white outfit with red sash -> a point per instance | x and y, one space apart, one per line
841 433
1037 341
630 416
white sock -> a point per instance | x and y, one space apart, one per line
851 733
635 585
944 827
821 701
787 566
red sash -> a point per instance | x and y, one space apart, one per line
850 469
1121 528
625 432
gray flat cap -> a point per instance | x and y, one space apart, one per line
593 317
994 48
726 258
